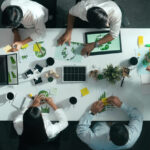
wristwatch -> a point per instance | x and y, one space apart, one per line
90 112
97 44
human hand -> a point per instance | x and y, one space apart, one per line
114 100
97 106
87 49
66 37
17 45
37 100
148 68
49 100
12 50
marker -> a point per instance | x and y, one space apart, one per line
147 45
31 96
39 48
122 82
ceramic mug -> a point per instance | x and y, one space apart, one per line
73 100
10 96
133 61
50 61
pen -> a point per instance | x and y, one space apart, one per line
22 103
122 82
39 48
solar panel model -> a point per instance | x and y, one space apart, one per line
74 74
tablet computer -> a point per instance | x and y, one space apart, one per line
113 46
9 69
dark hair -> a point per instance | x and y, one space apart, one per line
97 17
33 127
11 16
119 134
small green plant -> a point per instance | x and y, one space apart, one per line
146 60
112 74
106 104
100 77
103 96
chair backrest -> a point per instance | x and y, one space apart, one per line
50 4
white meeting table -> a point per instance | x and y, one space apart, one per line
131 93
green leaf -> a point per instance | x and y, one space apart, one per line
40 42
103 96
13 74
12 60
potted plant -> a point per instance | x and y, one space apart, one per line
146 59
112 74
103 99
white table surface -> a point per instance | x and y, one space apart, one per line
131 93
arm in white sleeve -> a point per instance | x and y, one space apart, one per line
5 4
115 23
40 28
83 129
115 29
56 128
79 11
135 121
75 10
18 122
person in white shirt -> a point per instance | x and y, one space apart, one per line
35 127
28 13
100 14
110 137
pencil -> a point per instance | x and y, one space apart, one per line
39 48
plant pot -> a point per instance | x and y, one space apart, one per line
100 77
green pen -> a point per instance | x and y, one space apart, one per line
147 45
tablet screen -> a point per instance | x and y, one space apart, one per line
3 70
113 46
12 69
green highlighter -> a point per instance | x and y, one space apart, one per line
147 45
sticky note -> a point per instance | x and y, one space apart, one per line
24 46
7 48
104 101
84 91
140 41
36 47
